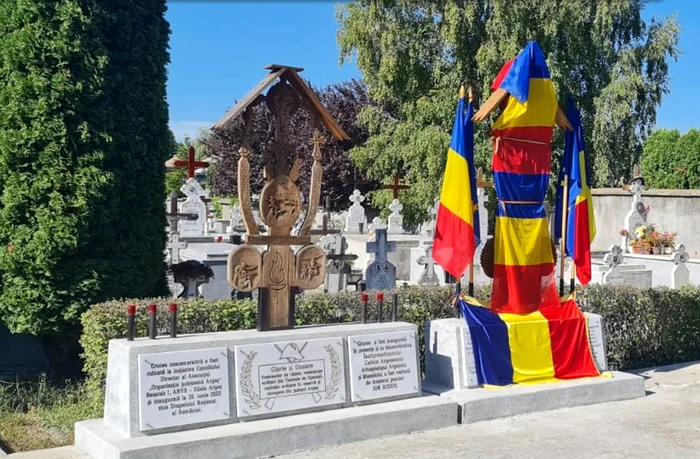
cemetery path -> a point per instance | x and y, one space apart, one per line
666 423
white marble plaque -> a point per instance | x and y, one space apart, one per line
383 365
469 376
288 376
193 227
597 340
180 388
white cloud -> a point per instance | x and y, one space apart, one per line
188 128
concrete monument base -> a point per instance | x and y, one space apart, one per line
272 437
450 371
485 404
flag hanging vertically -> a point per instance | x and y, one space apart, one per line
523 272
457 228
580 221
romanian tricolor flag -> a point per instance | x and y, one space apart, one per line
580 224
457 227
524 278
542 346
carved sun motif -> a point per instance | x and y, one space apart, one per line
280 203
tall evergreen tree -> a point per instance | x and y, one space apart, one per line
83 141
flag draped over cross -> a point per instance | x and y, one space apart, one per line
190 164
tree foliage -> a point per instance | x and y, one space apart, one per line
414 54
344 101
672 161
83 141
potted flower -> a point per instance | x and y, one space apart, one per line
669 242
655 242
639 246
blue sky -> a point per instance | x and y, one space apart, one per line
219 48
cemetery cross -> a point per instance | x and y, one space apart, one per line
396 187
190 164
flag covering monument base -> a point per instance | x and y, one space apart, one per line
466 361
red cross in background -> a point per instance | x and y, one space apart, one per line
395 186
190 164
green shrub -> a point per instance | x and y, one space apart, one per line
643 327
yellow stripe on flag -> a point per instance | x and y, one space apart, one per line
586 195
456 187
530 347
532 246
518 115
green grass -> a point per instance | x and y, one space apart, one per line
41 414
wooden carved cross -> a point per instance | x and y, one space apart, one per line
396 186
190 164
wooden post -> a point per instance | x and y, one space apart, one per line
572 284
564 215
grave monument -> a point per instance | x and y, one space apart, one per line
539 347
215 395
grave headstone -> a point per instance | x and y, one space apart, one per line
356 214
381 274
637 216
395 218
175 288
374 375
338 267
377 223
680 274
428 276
183 387
286 377
173 247
193 205
236 224
613 259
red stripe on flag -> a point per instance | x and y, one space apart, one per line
582 244
523 289
571 351
522 157
453 247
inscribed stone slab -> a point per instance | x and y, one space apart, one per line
469 375
597 340
289 376
383 365
183 387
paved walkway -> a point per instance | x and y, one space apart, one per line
664 424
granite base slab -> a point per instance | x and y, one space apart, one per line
485 404
272 437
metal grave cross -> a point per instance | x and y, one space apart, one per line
381 274
190 164
396 186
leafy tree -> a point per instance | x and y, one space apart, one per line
671 160
414 54
344 101
83 141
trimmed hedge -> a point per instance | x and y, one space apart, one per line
643 327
